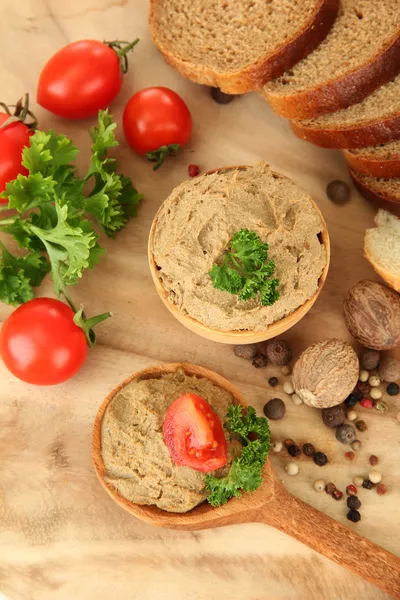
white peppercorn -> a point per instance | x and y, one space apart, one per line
277 446
351 415
375 476
374 381
288 388
286 370
375 393
296 400
319 485
358 480
356 445
363 376
292 468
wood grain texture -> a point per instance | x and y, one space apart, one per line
61 535
255 75
238 337
271 504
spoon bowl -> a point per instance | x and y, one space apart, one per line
271 504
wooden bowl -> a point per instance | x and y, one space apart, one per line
239 337
144 512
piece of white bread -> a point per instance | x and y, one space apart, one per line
238 45
382 248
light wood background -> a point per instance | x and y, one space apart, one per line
61 536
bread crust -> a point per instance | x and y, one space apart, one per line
386 201
340 93
372 133
372 166
266 68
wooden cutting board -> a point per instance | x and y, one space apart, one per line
61 536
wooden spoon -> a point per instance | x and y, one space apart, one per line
270 504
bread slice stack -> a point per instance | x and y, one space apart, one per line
382 248
330 66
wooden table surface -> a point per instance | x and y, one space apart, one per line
61 536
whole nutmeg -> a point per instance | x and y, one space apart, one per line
278 352
346 434
370 359
326 373
389 369
372 315
333 416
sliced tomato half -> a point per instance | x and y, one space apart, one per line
194 435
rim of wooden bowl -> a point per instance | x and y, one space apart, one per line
235 336
150 512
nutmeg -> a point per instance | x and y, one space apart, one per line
326 373
389 369
372 315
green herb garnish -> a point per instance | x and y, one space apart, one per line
246 270
55 211
245 474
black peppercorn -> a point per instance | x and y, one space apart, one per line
361 426
220 97
320 459
353 502
392 389
345 434
273 381
367 484
330 488
275 409
338 191
294 450
333 416
353 515
288 443
260 361
355 396
308 449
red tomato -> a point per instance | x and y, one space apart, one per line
80 79
155 117
194 435
13 139
40 343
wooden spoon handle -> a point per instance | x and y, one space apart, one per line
335 541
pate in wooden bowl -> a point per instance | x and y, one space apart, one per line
193 229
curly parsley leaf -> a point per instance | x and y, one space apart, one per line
246 271
53 203
245 474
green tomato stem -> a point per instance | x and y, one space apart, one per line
87 324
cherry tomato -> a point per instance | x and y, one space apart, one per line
194 435
81 78
40 343
13 139
156 117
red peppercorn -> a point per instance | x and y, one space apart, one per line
330 488
367 403
193 170
350 456
373 460
351 490
381 489
337 495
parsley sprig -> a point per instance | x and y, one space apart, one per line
55 212
245 270
245 474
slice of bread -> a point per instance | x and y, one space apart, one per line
361 52
382 248
238 45
376 188
375 161
375 120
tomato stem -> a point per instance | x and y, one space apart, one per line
21 112
87 324
158 156
121 48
